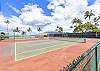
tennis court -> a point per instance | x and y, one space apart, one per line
26 49
55 60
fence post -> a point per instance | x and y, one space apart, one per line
96 58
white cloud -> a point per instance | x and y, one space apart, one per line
97 1
95 8
62 16
14 22
2 24
33 15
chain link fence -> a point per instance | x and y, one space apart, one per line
88 61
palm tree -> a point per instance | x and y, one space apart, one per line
23 32
99 17
16 30
29 30
71 26
96 20
7 22
88 14
59 29
39 29
76 21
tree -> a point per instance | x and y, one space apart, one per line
2 33
76 21
59 29
96 19
39 29
23 33
88 14
16 30
96 30
29 30
7 22
87 27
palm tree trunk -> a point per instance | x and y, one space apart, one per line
30 34
7 28
14 35
7 31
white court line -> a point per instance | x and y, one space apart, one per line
48 42
42 41
41 52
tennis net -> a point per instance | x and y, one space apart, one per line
69 39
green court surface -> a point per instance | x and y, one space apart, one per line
28 49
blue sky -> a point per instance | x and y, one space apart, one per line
91 2
0 5
7 11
